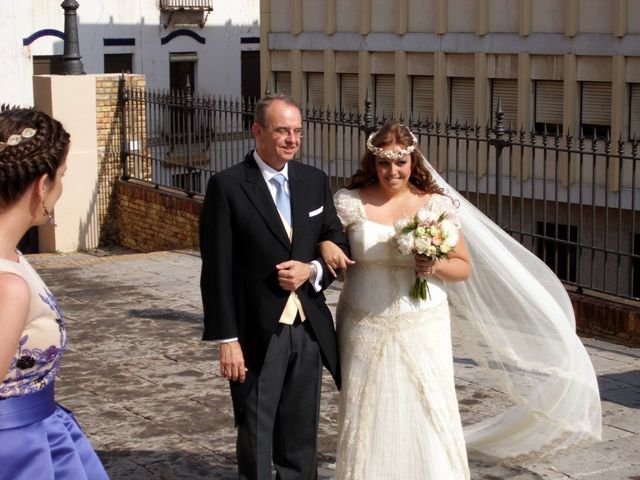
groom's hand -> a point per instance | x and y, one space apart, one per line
232 362
292 274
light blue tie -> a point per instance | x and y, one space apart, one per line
282 197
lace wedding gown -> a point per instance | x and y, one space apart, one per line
398 416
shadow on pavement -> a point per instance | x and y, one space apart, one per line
484 467
170 465
166 314
621 388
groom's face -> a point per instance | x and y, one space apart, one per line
279 140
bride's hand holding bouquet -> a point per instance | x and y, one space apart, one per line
429 233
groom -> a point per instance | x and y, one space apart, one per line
262 285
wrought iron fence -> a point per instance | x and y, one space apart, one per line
574 202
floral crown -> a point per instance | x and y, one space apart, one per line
16 138
391 154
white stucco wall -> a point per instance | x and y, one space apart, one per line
218 67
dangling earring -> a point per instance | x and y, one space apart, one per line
46 213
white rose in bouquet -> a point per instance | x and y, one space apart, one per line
449 232
422 244
401 224
422 215
406 243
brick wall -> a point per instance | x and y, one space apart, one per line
607 320
109 168
148 220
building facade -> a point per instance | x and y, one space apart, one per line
562 69
568 65
214 43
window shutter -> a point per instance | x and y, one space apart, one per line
461 106
549 95
315 90
385 95
421 97
634 112
348 101
507 91
283 83
596 103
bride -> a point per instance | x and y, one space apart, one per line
398 414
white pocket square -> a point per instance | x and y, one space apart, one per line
315 212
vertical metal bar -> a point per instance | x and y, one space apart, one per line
571 245
634 162
467 161
477 161
534 155
581 226
607 157
510 180
556 204
124 150
521 183
487 203
448 129
499 143
593 207
544 198
620 157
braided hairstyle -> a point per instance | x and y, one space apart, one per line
43 153
390 133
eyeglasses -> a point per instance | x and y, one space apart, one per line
284 132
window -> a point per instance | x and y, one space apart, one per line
182 69
48 65
547 113
250 73
507 92
315 90
118 62
595 109
282 82
552 248
421 98
461 95
384 94
634 111
348 93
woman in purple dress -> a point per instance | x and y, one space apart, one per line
39 439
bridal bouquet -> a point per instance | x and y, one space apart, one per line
430 232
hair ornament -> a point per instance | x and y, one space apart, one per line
16 138
391 154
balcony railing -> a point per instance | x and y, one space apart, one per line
186 5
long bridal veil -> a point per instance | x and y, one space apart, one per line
517 322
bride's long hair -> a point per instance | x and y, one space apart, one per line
390 133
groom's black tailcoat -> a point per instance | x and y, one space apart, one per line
242 239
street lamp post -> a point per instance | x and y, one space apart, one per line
72 58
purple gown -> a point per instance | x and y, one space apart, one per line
40 439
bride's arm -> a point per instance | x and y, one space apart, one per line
454 269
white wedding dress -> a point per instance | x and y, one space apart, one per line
398 416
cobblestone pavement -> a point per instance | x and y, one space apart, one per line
148 393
